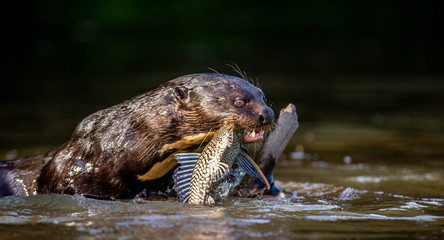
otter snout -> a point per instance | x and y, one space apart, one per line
266 117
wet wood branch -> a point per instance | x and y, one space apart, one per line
269 154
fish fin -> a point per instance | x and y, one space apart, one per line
210 200
187 158
222 171
245 161
182 175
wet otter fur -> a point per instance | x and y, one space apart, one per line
128 148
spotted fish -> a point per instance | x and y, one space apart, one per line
200 173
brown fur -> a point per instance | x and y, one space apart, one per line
120 151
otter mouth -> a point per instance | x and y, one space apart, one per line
253 135
250 133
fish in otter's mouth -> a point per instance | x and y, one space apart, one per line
201 173
249 135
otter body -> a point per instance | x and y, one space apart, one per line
128 148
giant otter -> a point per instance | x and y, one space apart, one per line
128 148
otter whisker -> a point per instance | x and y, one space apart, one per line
203 140
214 70
241 73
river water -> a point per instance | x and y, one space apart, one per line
361 165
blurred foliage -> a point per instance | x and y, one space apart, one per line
337 61
136 36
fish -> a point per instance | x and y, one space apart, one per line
200 173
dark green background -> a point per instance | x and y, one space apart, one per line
351 62
275 36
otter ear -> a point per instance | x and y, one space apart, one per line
181 93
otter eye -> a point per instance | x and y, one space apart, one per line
239 102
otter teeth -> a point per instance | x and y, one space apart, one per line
253 135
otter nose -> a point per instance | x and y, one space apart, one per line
266 117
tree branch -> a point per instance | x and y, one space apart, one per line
269 154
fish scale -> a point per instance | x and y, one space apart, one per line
199 174
205 175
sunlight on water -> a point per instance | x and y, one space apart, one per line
337 194
363 164
235 218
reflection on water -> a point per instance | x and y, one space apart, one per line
366 162
317 210
346 199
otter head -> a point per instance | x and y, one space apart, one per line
208 101
189 110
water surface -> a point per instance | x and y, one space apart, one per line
366 162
